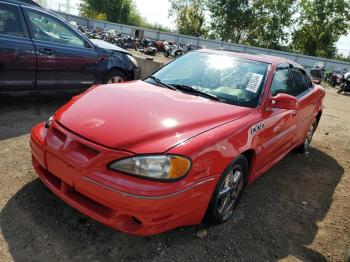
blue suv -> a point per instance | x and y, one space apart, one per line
39 51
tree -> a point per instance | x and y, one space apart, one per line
272 24
189 17
322 22
119 11
231 19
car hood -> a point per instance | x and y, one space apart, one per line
143 118
108 46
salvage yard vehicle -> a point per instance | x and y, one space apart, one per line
316 75
180 146
40 51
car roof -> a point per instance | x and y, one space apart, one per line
275 60
21 2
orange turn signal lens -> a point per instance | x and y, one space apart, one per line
179 166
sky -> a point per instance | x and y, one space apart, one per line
156 11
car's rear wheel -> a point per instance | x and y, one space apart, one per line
114 76
305 147
228 192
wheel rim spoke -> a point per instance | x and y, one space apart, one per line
229 192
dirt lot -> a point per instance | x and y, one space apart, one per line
299 210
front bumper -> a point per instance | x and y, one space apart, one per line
75 170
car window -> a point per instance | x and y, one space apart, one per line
300 83
10 22
281 83
46 28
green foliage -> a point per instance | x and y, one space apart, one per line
189 17
272 23
118 11
310 27
322 22
231 19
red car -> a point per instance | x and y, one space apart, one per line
178 147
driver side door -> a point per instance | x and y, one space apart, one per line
64 59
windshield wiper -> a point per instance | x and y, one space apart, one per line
159 82
194 90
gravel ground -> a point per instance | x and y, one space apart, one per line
299 210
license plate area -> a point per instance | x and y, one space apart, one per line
60 169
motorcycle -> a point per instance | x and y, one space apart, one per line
345 85
172 49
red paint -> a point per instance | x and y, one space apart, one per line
110 122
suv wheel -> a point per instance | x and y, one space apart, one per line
114 76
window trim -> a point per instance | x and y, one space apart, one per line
35 10
279 67
21 21
301 95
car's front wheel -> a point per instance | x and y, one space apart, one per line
114 76
228 191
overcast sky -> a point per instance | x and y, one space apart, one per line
156 11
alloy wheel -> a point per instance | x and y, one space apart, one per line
229 192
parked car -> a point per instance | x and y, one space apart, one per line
180 146
316 75
40 51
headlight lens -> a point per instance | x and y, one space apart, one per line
163 167
133 60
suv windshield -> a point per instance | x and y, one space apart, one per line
226 78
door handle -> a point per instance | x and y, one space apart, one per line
46 51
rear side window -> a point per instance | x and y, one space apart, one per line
10 22
301 84
281 83
49 29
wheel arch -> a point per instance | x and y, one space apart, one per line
250 156
318 117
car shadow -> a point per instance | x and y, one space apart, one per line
276 218
18 114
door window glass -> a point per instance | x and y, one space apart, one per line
10 22
280 83
300 82
46 28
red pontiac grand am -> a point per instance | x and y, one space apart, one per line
178 147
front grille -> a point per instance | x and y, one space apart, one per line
72 148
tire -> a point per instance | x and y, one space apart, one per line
305 147
227 192
347 255
114 76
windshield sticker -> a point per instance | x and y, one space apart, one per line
254 83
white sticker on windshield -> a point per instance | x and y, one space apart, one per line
254 83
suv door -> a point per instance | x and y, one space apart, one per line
277 129
17 52
303 87
65 59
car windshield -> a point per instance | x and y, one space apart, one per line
228 79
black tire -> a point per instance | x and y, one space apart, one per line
347 255
213 214
115 73
305 147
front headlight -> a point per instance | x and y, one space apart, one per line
133 60
158 167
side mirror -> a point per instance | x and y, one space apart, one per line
283 101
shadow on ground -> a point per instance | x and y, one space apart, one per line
276 218
18 114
